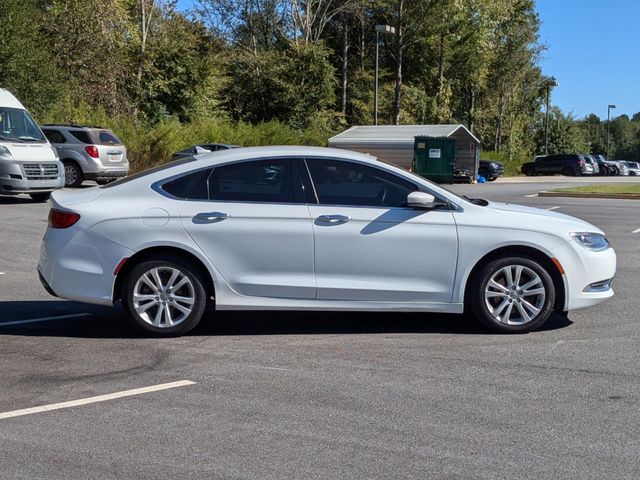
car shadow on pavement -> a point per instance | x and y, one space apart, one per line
79 320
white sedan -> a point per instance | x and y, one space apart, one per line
304 228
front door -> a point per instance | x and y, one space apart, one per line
369 246
255 228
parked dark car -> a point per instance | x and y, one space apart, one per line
490 169
202 148
570 164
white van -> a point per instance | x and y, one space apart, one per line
28 162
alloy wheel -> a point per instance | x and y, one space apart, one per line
163 297
515 295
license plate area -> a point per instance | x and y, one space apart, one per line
114 157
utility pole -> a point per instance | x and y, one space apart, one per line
549 83
609 107
385 29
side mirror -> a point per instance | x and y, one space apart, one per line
421 200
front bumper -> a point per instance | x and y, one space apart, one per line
587 276
106 175
15 179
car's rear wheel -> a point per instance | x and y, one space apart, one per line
483 172
528 171
73 176
165 297
512 295
568 172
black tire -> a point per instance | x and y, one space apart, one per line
195 288
73 176
568 172
493 179
478 303
604 171
40 197
614 172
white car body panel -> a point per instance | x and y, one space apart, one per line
277 256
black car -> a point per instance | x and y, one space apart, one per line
202 148
490 169
571 164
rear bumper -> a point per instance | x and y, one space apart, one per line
14 180
78 265
106 175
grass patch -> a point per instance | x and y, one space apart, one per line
631 189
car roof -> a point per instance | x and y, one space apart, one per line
233 154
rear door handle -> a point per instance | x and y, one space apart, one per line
211 216
333 218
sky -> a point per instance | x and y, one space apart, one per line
593 51
594 54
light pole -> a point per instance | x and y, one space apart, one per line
385 29
549 83
609 107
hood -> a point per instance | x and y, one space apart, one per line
31 152
541 220
68 198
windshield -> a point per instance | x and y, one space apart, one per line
16 125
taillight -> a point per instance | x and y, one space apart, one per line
62 219
92 150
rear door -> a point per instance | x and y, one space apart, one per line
369 246
251 221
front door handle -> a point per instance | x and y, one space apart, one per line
211 216
333 218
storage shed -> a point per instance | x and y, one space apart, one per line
395 143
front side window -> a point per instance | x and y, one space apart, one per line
345 183
17 125
256 181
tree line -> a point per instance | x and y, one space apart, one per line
291 71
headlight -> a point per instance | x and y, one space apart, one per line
5 153
591 241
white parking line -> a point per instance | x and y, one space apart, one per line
532 195
2 273
99 398
636 231
553 208
43 319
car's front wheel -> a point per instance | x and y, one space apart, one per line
165 298
512 295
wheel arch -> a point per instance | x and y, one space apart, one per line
545 260
159 252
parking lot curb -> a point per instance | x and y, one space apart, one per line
614 196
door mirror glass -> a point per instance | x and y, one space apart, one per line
421 200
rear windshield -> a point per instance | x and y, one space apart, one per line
96 137
106 138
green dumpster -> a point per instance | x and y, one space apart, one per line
433 158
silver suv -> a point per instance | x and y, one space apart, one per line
88 153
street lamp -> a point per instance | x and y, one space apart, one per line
384 29
549 83
609 107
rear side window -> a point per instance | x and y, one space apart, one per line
193 186
345 183
107 138
54 136
256 181
81 135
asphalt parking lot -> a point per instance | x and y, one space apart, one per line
322 395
